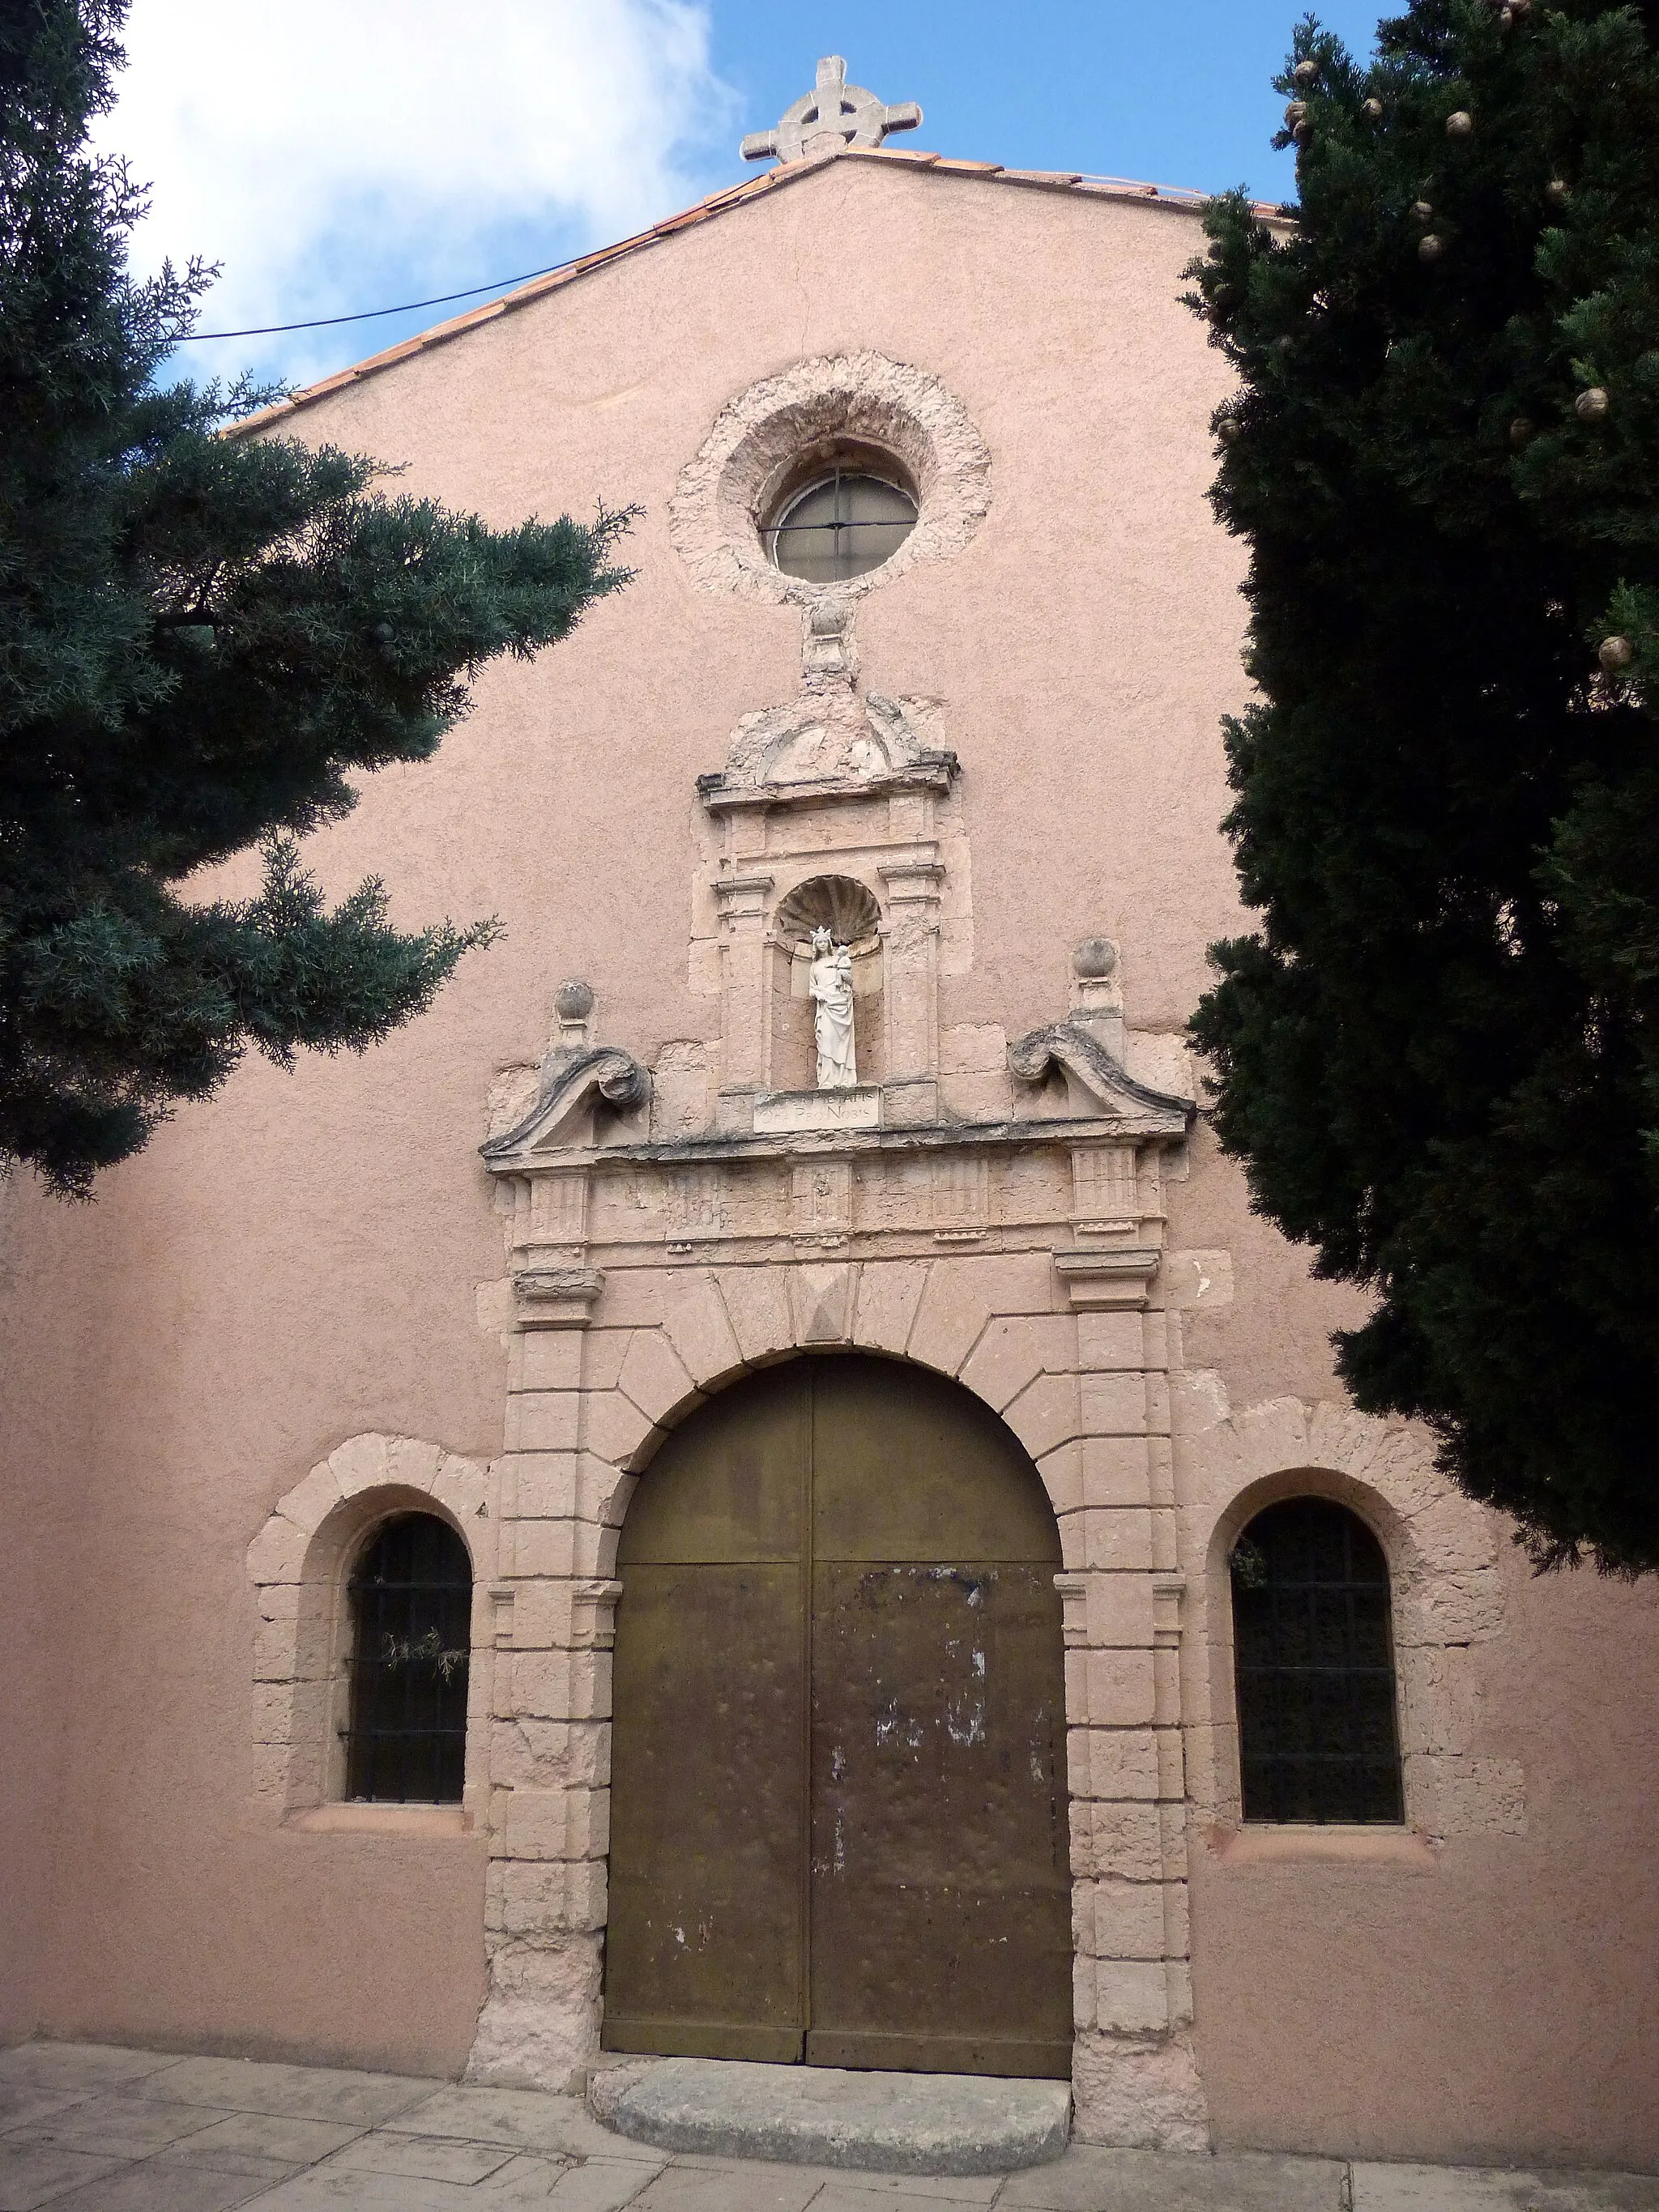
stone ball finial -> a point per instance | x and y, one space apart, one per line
574 1001
1094 959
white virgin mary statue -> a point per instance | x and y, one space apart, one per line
830 984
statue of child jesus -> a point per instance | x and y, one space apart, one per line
830 984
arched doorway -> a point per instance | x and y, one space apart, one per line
838 1777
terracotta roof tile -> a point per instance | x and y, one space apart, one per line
731 196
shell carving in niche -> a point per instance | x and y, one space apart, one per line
838 903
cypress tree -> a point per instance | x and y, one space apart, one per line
1437 1054
202 637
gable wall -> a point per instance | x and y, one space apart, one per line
314 1257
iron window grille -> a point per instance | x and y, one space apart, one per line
841 526
411 1601
1314 1647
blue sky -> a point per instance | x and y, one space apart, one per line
344 154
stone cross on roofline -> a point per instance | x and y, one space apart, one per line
833 114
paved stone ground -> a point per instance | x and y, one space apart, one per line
91 2127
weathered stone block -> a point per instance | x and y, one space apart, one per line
603 1491
546 1359
1118 1836
1109 1340
1177 1920
412 1463
1109 1689
757 1305
540 1616
587 1826
821 1304
539 1487
1460 1609
1142 2093
277 1553
1131 1994
270 1791
1114 1405
1172 1765
654 1378
464 1487
1112 1762
603 1353
951 1314
309 1503
1061 1470
563 1686
543 1421
539 2025
296 1650
1157 1404
1119 1919
532 1824
1014 1349
1119 1609
616 1429
695 1322
539 1898
1045 1413
360 1464
541 1548
889 1293
590 1753
1118 1539
1116 1471
273 1711
527 1754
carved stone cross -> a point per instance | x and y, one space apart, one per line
833 114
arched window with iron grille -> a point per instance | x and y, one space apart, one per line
1313 1644
411 1605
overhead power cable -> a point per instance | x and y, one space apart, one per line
370 314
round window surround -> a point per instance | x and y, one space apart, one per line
786 437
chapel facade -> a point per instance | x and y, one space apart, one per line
750 1484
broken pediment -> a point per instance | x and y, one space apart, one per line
1096 1083
831 740
574 1084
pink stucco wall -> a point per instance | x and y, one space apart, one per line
298 1261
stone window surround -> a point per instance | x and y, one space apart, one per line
300 1564
758 441
1446 1597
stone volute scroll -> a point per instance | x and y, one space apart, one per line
545 1160
1116 1203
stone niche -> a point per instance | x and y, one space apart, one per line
838 809
849 911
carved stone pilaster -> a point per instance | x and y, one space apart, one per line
911 945
746 1013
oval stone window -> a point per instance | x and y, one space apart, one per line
842 522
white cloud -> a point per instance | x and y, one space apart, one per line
325 148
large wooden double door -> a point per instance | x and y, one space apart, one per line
838 1811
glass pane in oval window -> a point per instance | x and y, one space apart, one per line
842 527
